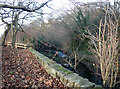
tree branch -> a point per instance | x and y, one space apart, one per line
23 8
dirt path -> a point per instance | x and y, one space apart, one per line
21 69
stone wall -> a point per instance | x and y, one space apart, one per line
66 76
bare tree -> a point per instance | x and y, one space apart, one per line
13 14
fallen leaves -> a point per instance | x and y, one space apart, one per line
21 69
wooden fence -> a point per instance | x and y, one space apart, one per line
17 45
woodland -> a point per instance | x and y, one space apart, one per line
84 39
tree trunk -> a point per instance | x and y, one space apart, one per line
13 41
14 37
15 30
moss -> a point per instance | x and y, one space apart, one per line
97 88
60 68
31 49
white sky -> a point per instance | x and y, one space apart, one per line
57 4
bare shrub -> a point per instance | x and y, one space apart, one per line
105 48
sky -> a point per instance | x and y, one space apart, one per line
56 4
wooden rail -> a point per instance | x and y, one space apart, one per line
17 45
